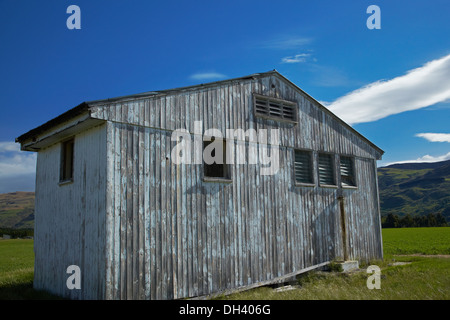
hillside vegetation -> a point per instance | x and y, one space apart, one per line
17 210
417 189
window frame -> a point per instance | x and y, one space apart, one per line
278 101
64 176
226 178
311 169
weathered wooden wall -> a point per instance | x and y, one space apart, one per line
70 218
172 235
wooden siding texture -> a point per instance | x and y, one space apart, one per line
172 235
70 218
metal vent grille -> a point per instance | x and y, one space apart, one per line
275 108
347 172
303 167
326 172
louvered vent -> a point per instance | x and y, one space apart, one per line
303 167
326 172
347 172
275 108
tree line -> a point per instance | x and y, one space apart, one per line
16 233
407 221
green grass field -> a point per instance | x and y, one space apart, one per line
16 271
416 241
17 260
425 278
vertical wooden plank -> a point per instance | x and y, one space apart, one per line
209 234
141 206
117 209
154 241
192 102
169 212
135 208
159 227
175 223
109 211
123 212
147 222
129 212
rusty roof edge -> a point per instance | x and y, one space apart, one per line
331 113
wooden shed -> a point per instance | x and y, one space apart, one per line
112 200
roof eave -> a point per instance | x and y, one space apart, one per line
33 133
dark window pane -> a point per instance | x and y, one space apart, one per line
216 170
67 160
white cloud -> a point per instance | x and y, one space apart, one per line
17 168
6 146
419 88
296 59
207 76
425 158
435 137
17 164
428 158
286 42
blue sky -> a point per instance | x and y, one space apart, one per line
391 84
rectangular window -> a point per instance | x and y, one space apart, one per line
326 169
273 108
214 160
303 167
347 172
67 160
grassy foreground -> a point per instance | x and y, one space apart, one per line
16 271
425 278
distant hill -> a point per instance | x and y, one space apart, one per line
17 210
415 188
418 165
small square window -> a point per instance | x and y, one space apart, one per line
67 148
347 172
303 167
326 169
214 159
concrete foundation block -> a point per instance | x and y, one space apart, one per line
349 265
